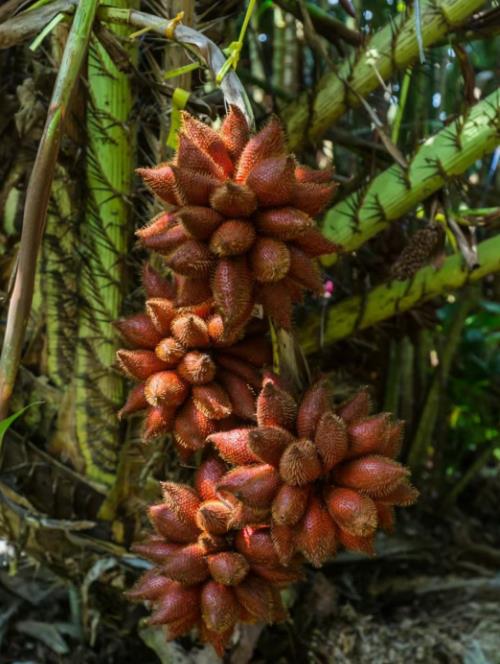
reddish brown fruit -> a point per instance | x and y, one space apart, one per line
272 181
178 602
192 259
232 238
300 464
235 132
208 140
254 485
161 312
351 511
277 302
233 446
355 543
159 421
233 200
155 549
403 495
290 504
136 401
283 223
165 387
316 535
212 400
191 155
256 545
228 568
191 427
256 597
242 369
199 222
269 259
151 586
242 398
138 330
315 402
269 443
170 351
356 407
181 498
373 474
268 142
255 350
394 439
314 244
304 270
171 526
278 575
275 407
166 241
161 180
190 330
187 565
311 197
232 288
331 440
207 477
155 285
196 368
219 606
284 541
385 515
368 435
139 364
306 174
214 516
173 630
192 291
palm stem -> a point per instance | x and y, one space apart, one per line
392 48
359 312
396 191
37 199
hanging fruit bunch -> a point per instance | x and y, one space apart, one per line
241 216
283 481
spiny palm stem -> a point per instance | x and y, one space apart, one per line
396 191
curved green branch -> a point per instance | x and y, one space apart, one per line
395 191
392 48
359 312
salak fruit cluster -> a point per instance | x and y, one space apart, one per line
281 482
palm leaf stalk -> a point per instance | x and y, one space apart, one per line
105 237
392 48
37 199
394 192
362 311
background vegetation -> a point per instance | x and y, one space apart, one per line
402 97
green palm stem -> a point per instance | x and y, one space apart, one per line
105 237
389 299
392 48
427 420
394 192
37 199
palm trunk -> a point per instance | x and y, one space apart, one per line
105 236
